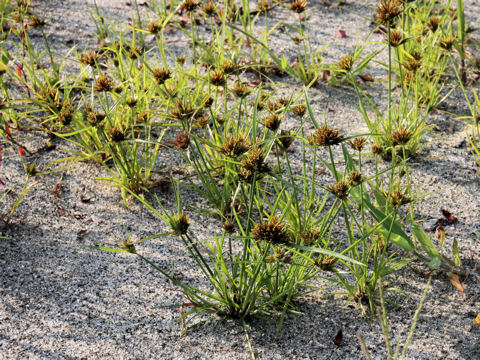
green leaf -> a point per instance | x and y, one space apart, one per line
326 252
389 226
435 263
456 254
395 266
426 242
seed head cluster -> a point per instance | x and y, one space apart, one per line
299 6
326 136
235 146
273 231
388 10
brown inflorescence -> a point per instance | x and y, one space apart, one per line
103 83
299 6
161 75
326 136
235 146
388 10
340 189
273 231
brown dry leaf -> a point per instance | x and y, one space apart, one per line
477 320
366 78
455 280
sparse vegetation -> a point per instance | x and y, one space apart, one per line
218 112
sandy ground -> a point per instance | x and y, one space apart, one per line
59 300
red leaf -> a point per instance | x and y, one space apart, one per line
1 182
341 34
339 337
448 215
19 70
22 151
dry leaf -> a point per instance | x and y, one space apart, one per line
455 280
341 33
366 78
339 337
477 320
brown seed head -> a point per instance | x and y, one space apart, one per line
325 136
299 109
412 65
299 6
183 110
90 58
358 143
116 134
388 10
35 22
229 67
235 146
416 55
401 137
434 22
229 226
180 59
190 5
202 121
398 199
308 237
283 101
285 139
118 89
396 38
253 164
141 118
103 83
241 90
94 118
161 75
346 64
135 52
340 189
182 141
274 105
154 27
179 224
131 102
272 122
65 116
326 264
377 149
447 43
217 78
272 231
355 178
209 9
297 39
129 246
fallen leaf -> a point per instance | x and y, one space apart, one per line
439 232
366 78
455 280
477 320
341 33
448 215
339 337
